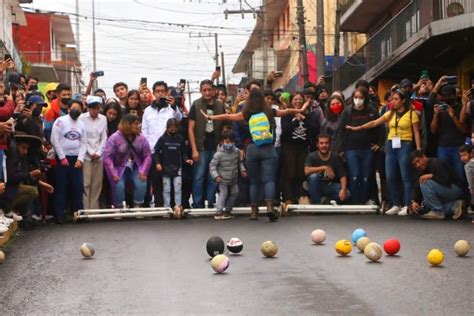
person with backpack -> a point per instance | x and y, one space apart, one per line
403 136
261 154
127 157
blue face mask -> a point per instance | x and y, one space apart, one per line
228 147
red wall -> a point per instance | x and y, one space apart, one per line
33 40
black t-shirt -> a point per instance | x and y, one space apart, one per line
210 136
360 139
335 162
449 134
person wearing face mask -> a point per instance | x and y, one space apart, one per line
403 136
170 154
58 108
322 96
447 126
69 140
225 167
358 147
154 122
332 115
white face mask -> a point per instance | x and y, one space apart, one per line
358 103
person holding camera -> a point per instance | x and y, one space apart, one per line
446 124
69 140
154 122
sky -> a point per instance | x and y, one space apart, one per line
128 50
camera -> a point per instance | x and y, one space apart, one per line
452 80
98 73
443 106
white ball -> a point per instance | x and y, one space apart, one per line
318 236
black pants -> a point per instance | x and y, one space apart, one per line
293 158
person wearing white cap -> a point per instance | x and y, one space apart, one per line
95 127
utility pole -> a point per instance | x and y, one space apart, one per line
337 40
302 41
321 60
94 60
78 38
216 43
223 69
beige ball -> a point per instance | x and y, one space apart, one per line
373 251
318 236
87 250
362 242
462 247
269 249
2 256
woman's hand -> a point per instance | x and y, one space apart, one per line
115 179
305 106
354 128
142 177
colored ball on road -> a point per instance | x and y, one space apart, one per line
215 246
235 245
2 257
373 251
362 242
87 250
343 247
318 236
435 257
391 246
462 247
358 233
269 249
220 263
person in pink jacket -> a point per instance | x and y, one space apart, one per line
127 157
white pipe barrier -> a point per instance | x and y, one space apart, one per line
333 208
84 215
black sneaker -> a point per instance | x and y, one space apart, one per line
228 215
219 215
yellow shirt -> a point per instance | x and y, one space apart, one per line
402 128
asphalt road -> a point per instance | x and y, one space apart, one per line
161 267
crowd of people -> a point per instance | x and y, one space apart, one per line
60 152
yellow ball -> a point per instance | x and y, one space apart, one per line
343 247
373 251
220 263
318 236
269 249
87 250
462 247
435 257
2 256
362 242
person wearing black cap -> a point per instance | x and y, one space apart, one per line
21 181
446 124
69 140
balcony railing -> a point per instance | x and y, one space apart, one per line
396 32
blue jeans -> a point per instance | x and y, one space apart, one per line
227 196
1 166
200 173
450 155
319 188
360 165
138 191
440 198
69 183
167 190
261 167
397 163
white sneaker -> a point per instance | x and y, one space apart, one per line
3 229
433 215
37 217
403 211
370 202
458 208
394 210
14 215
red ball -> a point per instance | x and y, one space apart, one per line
391 246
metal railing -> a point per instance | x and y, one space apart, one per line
396 32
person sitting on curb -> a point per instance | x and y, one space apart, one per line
438 187
326 173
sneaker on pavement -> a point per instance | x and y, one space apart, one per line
219 215
37 217
370 202
403 211
227 215
457 208
394 210
433 215
14 215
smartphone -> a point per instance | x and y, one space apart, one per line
143 81
278 74
163 101
240 91
182 81
425 74
218 68
99 73
443 106
452 80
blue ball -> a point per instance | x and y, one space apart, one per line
357 234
